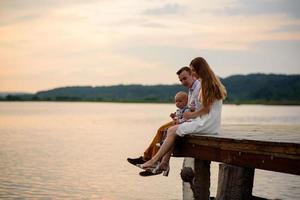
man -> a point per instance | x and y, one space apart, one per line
190 81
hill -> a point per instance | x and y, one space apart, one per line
262 88
250 89
120 93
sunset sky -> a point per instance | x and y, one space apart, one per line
46 44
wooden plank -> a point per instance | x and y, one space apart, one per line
273 156
289 133
241 159
252 146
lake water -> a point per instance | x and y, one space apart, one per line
79 150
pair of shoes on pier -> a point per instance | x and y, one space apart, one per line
155 170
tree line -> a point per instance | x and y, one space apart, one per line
242 89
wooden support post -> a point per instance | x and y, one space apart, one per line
235 183
202 180
187 193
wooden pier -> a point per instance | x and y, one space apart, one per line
240 149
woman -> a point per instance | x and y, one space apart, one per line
207 120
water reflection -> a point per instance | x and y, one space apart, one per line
79 150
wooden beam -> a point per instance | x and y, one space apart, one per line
273 156
202 180
235 183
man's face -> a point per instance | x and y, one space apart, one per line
186 79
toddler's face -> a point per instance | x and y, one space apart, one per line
180 102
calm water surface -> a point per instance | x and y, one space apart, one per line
79 151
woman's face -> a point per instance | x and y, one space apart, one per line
194 72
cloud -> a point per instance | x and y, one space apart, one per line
105 42
264 57
20 11
46 4
288 28
262 7
167 9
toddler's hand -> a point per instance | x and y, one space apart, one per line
175 120
172 115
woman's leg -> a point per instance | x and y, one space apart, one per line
164 164
153 149
165 148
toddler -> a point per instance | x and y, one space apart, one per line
181 102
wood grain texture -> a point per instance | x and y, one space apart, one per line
247 146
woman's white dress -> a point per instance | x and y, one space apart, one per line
206 124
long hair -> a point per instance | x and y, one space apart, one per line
211 87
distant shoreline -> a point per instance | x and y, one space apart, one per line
275 103
257 89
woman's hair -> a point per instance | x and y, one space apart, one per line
211 87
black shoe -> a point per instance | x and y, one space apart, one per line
136 161
149 173
155 171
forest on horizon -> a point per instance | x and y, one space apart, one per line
241 89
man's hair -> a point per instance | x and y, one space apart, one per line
185 68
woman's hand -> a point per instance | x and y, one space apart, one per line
188 115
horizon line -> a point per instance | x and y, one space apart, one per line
127 84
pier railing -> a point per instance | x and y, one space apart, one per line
241 150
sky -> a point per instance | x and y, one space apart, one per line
47 44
